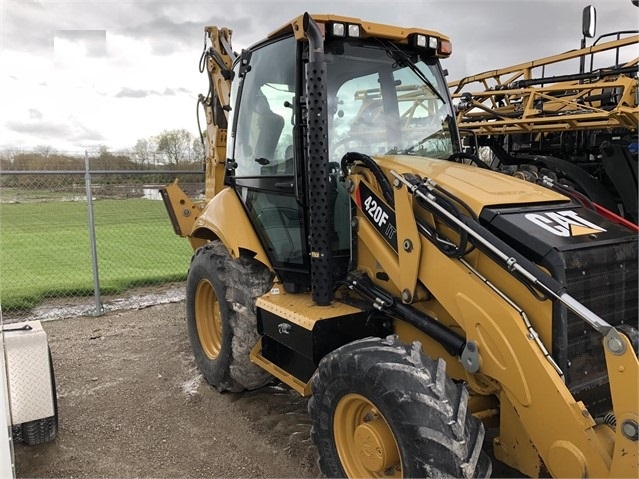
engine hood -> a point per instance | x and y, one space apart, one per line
478 187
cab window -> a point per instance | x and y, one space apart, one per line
263 143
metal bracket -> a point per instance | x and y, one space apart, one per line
470 357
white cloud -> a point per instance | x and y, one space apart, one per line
87 72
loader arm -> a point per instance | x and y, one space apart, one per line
507 334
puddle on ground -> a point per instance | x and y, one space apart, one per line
86 307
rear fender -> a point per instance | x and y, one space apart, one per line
225 218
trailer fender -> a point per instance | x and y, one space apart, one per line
31 394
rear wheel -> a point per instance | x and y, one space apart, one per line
220 303
381 408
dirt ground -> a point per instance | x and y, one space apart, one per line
132 404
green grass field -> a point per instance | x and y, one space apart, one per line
45 249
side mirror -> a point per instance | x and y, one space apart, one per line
589 21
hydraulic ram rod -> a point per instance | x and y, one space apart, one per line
511 260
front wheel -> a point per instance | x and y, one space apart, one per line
381 408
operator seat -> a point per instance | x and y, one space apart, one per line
269 126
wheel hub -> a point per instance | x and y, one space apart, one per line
365 442
376 445
208 319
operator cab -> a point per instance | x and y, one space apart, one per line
384 97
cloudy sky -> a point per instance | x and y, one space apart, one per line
76 74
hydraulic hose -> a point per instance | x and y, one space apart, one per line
385 302
368 162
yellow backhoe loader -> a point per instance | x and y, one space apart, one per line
346 248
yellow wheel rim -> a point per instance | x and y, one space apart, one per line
208 319
364 441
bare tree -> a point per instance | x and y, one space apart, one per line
103 151
198 150
6 158
142 151
175 146
45 151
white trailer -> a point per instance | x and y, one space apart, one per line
28 405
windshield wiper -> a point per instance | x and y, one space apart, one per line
401 57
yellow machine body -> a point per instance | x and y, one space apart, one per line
507 326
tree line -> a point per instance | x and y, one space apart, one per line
169 149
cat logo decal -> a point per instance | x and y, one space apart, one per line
564 223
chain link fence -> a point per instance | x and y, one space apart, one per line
72 237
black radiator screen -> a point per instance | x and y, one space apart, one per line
604 279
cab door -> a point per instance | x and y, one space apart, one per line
262 153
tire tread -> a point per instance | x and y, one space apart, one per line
434 415
242 280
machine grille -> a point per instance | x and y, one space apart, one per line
604 279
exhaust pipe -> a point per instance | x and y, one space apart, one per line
317 169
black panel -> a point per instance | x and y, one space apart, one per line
290 343
290 361
596 261
285 332
381 216
604 280
537 230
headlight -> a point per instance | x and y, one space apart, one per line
420 41
353 30
426 41
338 29
342 29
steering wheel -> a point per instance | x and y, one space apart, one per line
347 144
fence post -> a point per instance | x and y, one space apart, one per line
94 252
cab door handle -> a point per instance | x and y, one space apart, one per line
285 185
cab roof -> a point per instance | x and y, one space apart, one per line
368 29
